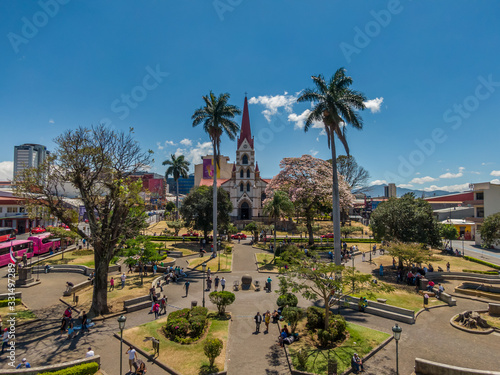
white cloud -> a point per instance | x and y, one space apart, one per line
422 180
51 121
374 104
160 147
169 143
378 182
453 175
194 154
417 174
273 103
299 120
474 172
450 188
186 142
313 152
495 173
405 186
6 170
496 181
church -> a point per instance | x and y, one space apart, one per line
242 178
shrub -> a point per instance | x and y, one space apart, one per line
288 299
315 318
482 272
228 249
325 337
302 357
292 316
197 326
338 327
497 267
198 311
212 349
184 313
221 300
185 326
5 302
83 369
177 328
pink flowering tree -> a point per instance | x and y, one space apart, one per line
308 183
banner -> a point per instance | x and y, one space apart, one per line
208 169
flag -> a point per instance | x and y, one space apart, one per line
12 255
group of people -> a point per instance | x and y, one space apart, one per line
266 318
136 365
158 305
67 323
112 281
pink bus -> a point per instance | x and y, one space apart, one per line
42 243
19 247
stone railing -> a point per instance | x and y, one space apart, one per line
51 368
425 367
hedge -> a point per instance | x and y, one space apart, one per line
173 238
482 272
5 302
84 369
495 266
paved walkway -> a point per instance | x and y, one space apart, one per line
432 337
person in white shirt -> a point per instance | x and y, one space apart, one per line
123 277
132 357
90 353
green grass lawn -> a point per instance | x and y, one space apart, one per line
264 262
185 359
23 314
225 262
401 298
361 340
77 257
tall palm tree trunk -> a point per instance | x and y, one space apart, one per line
336 204
215 201
177 199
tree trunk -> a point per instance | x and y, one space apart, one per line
100 296
310 230
177 200
335 204
215 199
327 312
275 223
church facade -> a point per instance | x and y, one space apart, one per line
246 188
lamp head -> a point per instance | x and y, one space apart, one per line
121 322
396 332
204 267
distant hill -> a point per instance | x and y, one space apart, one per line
378 191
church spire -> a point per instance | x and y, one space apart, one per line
245 133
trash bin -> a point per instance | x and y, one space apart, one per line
194 304
426 299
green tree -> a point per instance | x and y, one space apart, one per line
490 230
177 167
405 219
212 349
217 118
197 209
254 229
176 225
222 300
170 206
97 162
141 250
336 106
409 253
277 207
292 316
448 232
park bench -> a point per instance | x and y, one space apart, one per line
236 285
175 254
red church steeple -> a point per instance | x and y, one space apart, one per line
245 133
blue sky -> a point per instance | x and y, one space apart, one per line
430 70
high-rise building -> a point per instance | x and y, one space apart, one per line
28 155
390 191
185 184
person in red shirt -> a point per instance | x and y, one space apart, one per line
430 285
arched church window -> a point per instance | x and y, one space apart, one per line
263 197
248 173
241 173
248 186
241 186
244 159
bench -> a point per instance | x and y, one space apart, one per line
175 254
381 300
236 285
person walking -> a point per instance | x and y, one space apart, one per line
71 330
123 278
267 320
111 284
223 283
209 272
163 305
186 285
132 357
448 267
258 320
5 339
268 282
156 309
209 283
216 284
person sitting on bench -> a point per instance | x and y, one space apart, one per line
357 364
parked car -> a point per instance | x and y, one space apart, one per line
328 235
37 230
190 234
239 236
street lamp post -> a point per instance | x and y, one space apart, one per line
370 249
218 249
121 323
352 272
204 268
463 246
396 332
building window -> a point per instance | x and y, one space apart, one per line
241 173
248 173
244 159
241 186
248 186
480 196
11 210
480 212
263 197
1 210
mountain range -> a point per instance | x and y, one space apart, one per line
378 191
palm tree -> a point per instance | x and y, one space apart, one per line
278 207
216 117
178 167
336 106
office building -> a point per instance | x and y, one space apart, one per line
28 155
